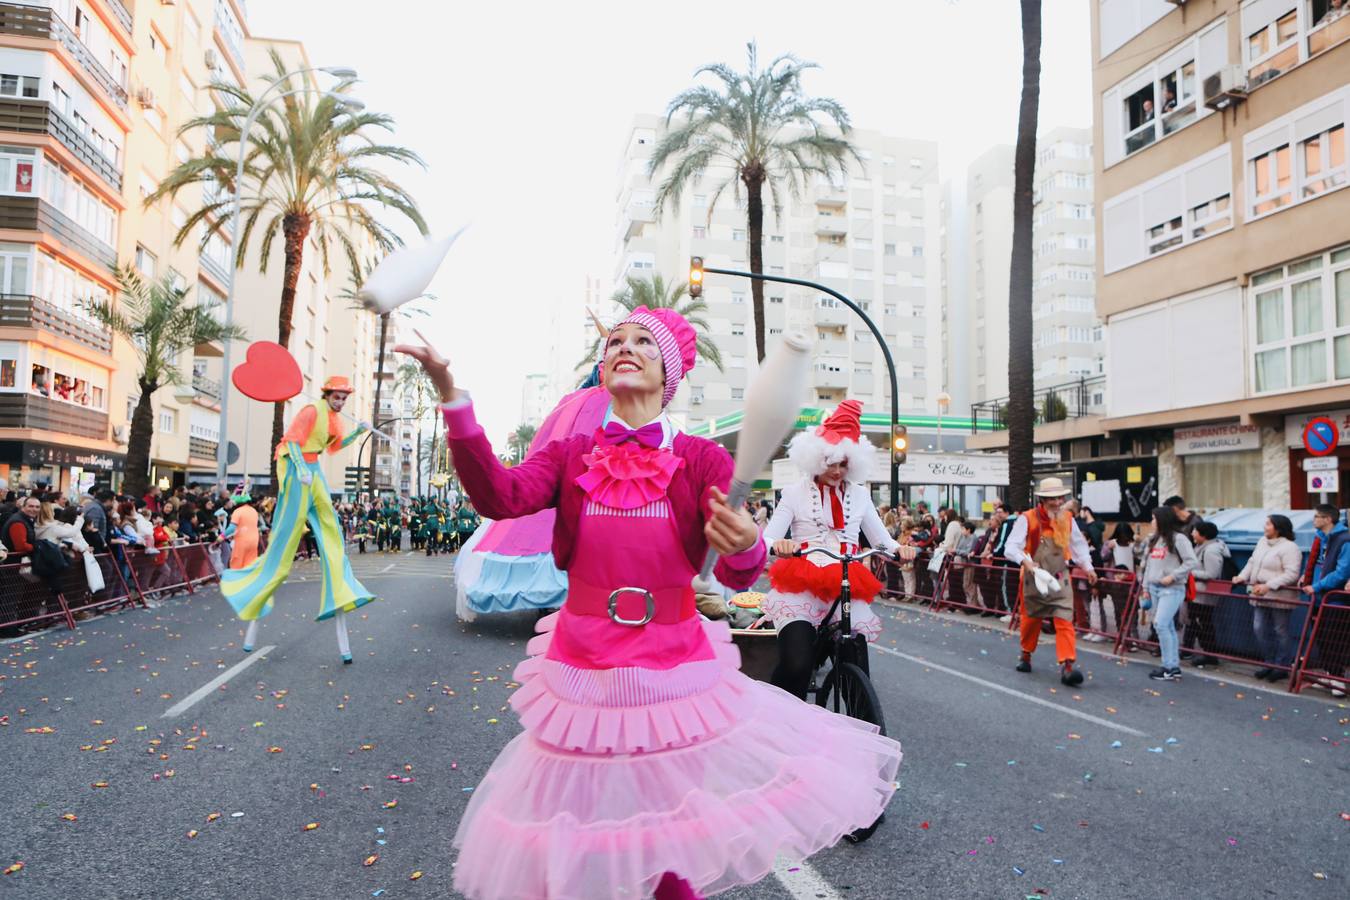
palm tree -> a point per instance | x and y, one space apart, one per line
1021 382
758 130
519 441
308 170
411 382
653 293
161 325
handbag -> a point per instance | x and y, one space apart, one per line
93 572
935 564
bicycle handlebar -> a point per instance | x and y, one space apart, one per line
841 557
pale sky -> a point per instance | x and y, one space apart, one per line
521 112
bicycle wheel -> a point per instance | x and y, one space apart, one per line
850 686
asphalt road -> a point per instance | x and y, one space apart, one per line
1012 785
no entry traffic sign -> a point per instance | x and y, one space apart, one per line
1320 436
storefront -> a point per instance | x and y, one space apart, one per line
29 465
1114 489
1220 465
1303 490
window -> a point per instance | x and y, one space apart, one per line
1272 48
1330 25
738 234
153 117
158 47
145 262
1299 157
1301 323
776 300
700 232
738 393
736 362
168 421
738 331
188 88
889 278
775 239
737 296
889 309
700 199
191 26
1186 204
19 86
1161 98
862 244
148 185
916 250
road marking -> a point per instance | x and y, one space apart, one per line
1087 717
803 884
205 690
386 568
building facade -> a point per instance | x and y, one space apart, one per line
871 234
1223 239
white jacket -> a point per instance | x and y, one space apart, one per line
796 512
59 532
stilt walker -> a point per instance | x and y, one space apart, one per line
303 496
649 764
1043 541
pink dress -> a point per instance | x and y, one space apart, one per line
645 750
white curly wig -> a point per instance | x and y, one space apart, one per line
811 454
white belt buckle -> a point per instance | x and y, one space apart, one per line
631 623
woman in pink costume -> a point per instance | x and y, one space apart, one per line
649 764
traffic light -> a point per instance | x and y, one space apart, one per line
695 276
899 442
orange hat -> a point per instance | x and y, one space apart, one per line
337 383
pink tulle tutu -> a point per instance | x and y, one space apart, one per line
625 774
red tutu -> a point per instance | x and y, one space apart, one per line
799 575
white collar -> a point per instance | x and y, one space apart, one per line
668 429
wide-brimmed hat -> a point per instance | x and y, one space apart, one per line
337 383
1052 487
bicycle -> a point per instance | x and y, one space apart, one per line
847 685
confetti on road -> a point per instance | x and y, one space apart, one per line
1116 745
391 804
1019 870
100 784
923 825
192 834
311 826
415 875
211 817
1036 827
14 868
1232 842
371 859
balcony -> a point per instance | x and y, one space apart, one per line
829 195
27 311
45 414
201 448
636 214
38 117
120 13
206 387
41 22
833 316
830 226
32 214
830 374
1072 400
214 268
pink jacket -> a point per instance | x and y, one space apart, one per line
547 479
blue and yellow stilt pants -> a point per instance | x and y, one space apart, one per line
250 590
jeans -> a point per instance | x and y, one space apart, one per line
1167 599
1271 625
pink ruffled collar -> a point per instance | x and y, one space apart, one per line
627 475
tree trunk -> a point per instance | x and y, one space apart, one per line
375 413
138 443
753 177
1021 362
295 229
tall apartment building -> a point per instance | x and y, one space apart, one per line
91 102
872 235
1223 247
1067 342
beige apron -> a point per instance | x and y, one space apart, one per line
1059 605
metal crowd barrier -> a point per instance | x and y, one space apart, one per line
909 581
1326 655
130 576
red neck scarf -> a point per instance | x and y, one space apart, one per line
836 504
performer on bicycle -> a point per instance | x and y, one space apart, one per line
1047 537
828 507
648 762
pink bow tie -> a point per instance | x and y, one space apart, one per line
650 435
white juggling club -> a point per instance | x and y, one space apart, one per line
772 403
404 275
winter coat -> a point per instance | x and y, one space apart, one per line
1276 564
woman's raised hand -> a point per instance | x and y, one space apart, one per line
436 366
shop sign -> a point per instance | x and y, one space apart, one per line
1294 426
969 469
1217 439
38 455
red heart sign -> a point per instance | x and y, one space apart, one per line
268 373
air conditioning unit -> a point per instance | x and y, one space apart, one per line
1177 2
145 97
1225 87
212 58
121 433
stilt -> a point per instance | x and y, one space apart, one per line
344 646
251 636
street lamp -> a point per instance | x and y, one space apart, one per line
345 77
944 400
696 271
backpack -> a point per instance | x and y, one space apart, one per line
48 560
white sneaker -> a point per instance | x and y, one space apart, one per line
1339 689
1005 618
